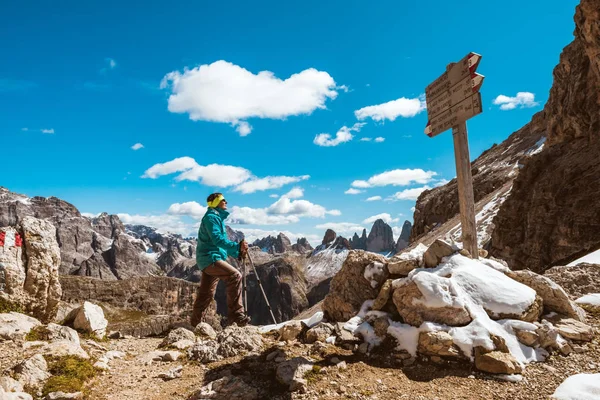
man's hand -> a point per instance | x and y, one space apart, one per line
243 249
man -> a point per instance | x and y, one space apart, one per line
211 255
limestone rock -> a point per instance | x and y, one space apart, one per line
15 325
532 314
438 343
291 331
10 385
319 333
291 373
182 344
416 313
29 273
32 372
62 348
59 332
554 297
496 362
349 289
171 374
274 245
64 396
359 243
234 340
572 329
434 254
204 330
383 296
226 388
176 335
550 339
14 395
90 318
204 352
576 280
528 338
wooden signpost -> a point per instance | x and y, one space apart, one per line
452 99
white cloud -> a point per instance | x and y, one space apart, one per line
252 234
227 93
379 139
273 196
285 206
409 194
391 110
441 182
190 208
162 223
342 228
374 198
353 191
521 100
259 216
50 131
137 146
396 177
243 128
217 175
295 193
387 218
412 209
365 139
111 63
342 136
89 215
266 183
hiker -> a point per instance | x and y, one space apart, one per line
211 255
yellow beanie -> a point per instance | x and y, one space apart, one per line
216 201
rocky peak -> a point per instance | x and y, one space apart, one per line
274 245
381 238
329 236
107 225
404 238
302 246
359 243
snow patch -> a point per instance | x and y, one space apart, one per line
579 387
372 271
591 258
315 319
537 147
592 299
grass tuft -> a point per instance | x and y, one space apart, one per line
314 375
7 306
69 374
38 333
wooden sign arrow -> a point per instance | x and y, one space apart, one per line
458 113
453 75
456 94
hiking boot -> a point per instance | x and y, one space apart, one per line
242 320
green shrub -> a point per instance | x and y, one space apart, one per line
7 306
38 333
69 374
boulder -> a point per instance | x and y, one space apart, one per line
554 297
550 339
434 254
576 280
496 362
573 329
58 332
234 340
438 343
29 270
62 348
32 372
408 300
532 314
15 326
204 352
349 289
10 385
90 319
291 373
204 330
291 330
176 335
528 338
173 373
14 395
319 333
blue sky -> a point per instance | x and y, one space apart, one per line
83 82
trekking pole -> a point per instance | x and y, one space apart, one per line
245 265
261 287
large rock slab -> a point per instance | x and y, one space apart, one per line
32 372
349 289
554 297
291 373
15 326
497 362
90 318
29 267
434 254
411 306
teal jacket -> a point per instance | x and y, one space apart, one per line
213 244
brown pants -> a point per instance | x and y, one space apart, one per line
208 285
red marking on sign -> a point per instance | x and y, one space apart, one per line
18 240
2 236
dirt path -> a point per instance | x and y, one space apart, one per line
364 377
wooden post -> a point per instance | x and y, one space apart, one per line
465 189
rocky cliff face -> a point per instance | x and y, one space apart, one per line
544 191
404 238
553 214
359 243
381 238
274 245
302 246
